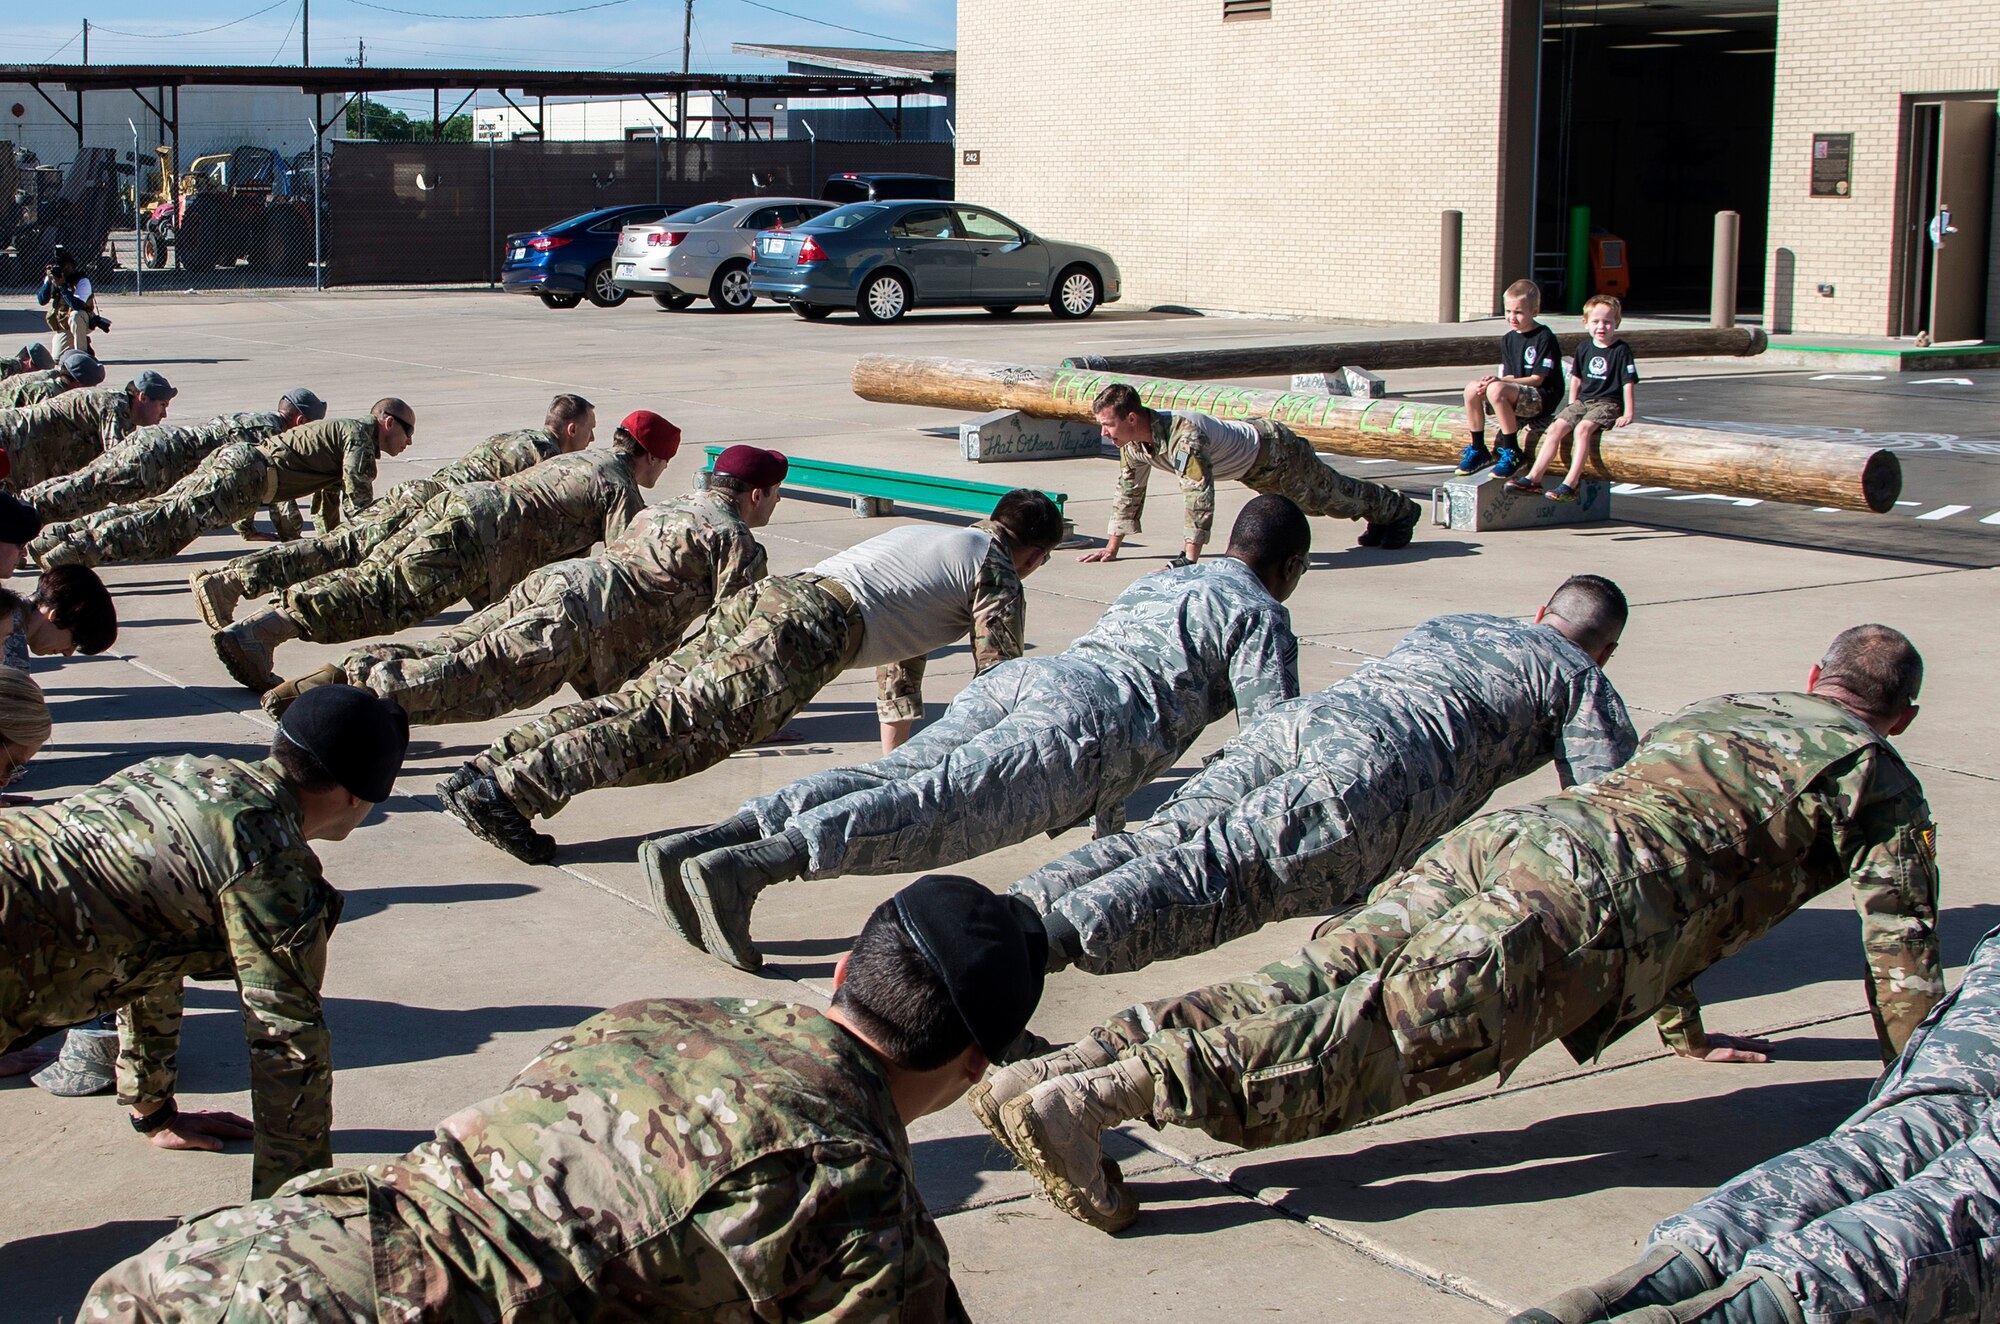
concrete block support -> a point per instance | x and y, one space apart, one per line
1481 503
1009 434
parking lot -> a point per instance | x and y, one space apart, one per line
454 963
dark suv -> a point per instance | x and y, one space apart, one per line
848 188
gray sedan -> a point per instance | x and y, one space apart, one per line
703 252
884 258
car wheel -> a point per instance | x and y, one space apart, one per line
560 300
730 290
674 302
1077 293
601 289
812 312
1002 309
156 241
884 298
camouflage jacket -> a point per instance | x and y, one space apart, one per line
1883 1219
335 456
1185 646
166 452
733 1160
32 388
1178 447
1414 742
673 561
1731 815
183 868
62 434
558 508
497 457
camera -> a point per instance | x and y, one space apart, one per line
99 323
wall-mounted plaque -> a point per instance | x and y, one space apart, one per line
1832 164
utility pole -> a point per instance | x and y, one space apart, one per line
306 34
687 37
360 61
86 37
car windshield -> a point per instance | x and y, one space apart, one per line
844 218
700 213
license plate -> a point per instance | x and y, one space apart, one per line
517 255
772 245
624 268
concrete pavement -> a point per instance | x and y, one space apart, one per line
455 963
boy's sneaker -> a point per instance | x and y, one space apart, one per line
1506 459
1561 492
1523 485
1474 458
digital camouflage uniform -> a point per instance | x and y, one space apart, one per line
32 388
182 868
590 622
1888 1220
1319 800
473 542
734 1160
1285 464
336 455
1574 918
62 434
761 657
272 568
1042 743
145 462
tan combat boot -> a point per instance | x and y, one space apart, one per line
249 648
1005 1084
283 695
216 593
1057 1129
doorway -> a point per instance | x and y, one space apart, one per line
1946 217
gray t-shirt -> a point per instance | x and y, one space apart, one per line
913 587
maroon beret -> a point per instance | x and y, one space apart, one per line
753 465
660 438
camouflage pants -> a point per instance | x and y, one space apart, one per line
275 1261
763 655
270 569
123 474
1245 842
509 656
1288 465
406 578
1029 746
223 488
36 455
1490 949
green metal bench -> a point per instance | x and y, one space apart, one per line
876 491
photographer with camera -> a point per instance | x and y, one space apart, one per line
72 303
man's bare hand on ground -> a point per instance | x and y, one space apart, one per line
1732 1048
203 1130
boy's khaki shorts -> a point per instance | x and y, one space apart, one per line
1527 402
1604 413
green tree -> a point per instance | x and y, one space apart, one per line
389 125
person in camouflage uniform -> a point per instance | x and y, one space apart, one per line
69 431
335 455
198 868
1890 1219
1320 800
1574 918
1265 456
590 622
725 1159
150 460
474 541
31 357
761 657
76 369
569 426
1038 744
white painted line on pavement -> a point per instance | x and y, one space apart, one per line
1994 518
1909 503
1851 377
1826 510
1717 496
1944 381
1636 489
1944 512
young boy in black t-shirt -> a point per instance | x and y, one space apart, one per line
1528 389
1605 374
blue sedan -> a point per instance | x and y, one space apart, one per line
884 258
570 261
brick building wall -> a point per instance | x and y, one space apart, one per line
1845 67
1291 165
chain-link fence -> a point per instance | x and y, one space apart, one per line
248 209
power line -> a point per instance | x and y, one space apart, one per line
807 18
169 36
65 46
487 18
286 40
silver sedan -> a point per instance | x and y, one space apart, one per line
704 252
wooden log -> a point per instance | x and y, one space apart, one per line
1810 473
1428 352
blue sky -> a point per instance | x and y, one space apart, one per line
586 34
